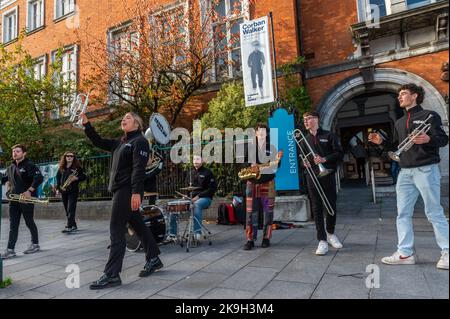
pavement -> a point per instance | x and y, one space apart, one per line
288 269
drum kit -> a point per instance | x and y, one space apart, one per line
158 219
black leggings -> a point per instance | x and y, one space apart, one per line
15 211
120 216
70 205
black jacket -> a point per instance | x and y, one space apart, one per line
129 158
62 176
326 145
29 176
423 154
204 179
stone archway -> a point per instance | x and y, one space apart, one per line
385 79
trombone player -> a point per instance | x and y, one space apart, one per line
327 153
421 136
24 178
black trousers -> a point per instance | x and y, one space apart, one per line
328 184
121 215
70 205
254 74
360 163
15 211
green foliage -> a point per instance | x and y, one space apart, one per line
26 99
293 94
5 283
228 110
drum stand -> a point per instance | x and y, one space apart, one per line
189 233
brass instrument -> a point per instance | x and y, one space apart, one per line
78 107
69 180
304 156
254 172
27 200
408 142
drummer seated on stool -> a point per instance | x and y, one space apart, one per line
203 178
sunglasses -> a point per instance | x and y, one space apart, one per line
69 156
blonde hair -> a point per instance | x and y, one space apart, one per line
138 120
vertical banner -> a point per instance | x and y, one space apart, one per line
256 62
47 188
286 178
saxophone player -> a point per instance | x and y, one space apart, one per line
69 175
260 194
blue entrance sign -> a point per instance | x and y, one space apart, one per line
287 174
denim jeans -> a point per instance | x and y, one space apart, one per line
411 182
201 204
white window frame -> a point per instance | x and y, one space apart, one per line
57 8
42 60
245 15
173 7
6 14
4 4
56 114
30 14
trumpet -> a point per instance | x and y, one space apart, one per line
408 142
309 169
27 200
78 107
69 180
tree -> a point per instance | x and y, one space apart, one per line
161 57
27 97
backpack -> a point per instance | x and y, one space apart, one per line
226 215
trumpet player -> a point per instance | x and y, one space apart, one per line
419 174
24 178
69 175
328 152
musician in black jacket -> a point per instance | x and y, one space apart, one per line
129 158
69 175
328 151
24 177
419 174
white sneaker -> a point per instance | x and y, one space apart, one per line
443 262
397 259
198 236
322 249
334 241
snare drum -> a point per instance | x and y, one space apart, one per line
155 220
178 206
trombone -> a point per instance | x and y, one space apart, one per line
78 107
27 200
309 169
408 142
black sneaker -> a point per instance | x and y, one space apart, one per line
73 229
105 281
151 266
249 245
66 230
265 243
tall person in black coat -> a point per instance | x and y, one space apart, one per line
129 159
69 175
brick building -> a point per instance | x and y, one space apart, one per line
355 61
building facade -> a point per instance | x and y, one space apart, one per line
358 53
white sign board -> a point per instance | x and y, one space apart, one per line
256 62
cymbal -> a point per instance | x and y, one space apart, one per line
190 188
150 194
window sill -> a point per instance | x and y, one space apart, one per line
10 41
56 20
35 30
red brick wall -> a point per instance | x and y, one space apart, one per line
326 30
426 66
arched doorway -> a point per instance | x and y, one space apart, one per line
352 109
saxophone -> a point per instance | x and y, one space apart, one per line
254 172
69 180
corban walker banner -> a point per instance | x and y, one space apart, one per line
256 62
286 178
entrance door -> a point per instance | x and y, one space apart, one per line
356 145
